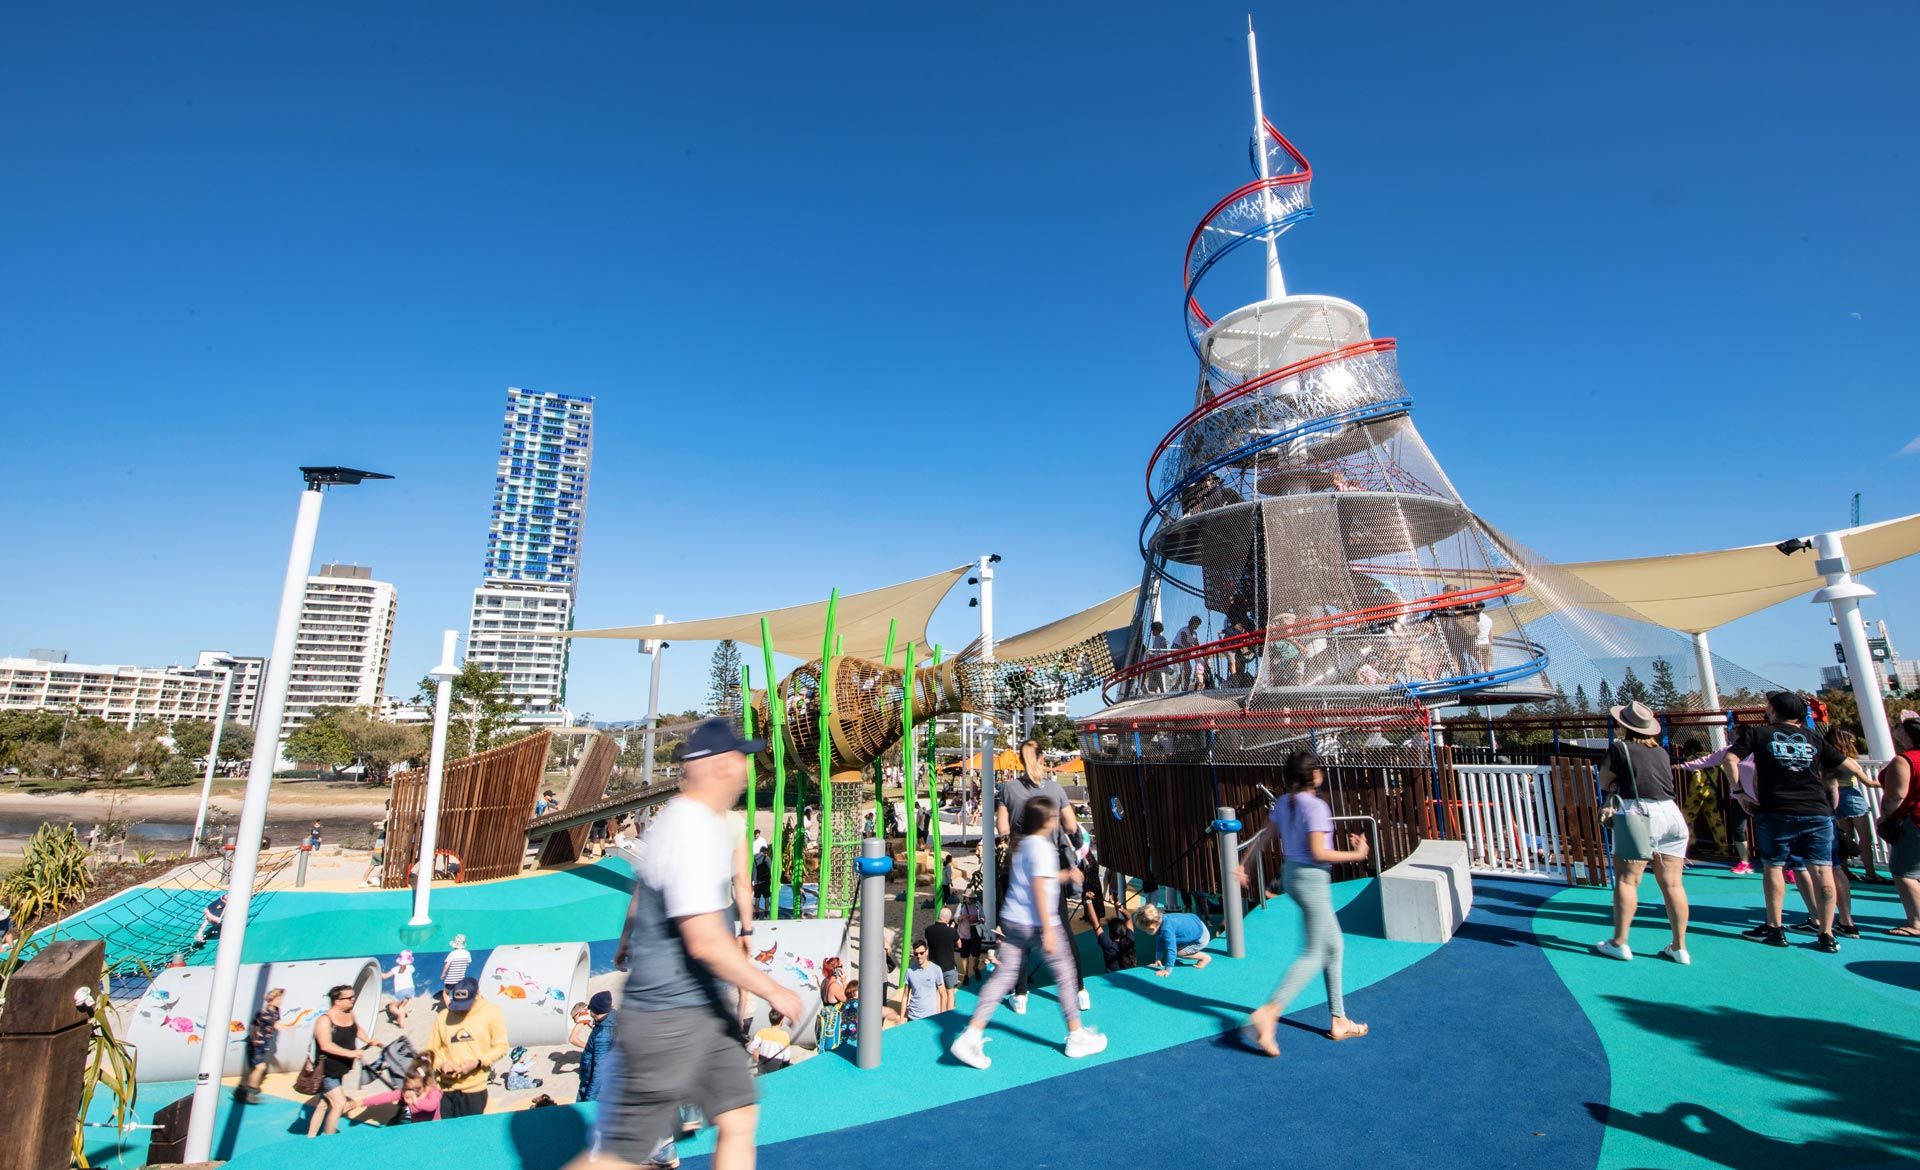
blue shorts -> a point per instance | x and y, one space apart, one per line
1853 802
1782 839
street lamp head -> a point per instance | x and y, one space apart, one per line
444 670
325 477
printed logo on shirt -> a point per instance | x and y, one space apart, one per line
1791 750
461 1035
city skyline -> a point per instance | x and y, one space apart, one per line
1559 184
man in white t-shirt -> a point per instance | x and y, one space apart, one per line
678 1034
1483 639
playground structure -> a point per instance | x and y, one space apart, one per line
1313 580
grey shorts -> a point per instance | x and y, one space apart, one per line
1903 858
951 977
681 1056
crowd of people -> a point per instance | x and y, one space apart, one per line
1799 808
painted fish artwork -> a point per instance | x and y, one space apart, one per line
512 983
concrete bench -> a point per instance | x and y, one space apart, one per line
1426 897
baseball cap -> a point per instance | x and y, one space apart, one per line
601 1003
1788 705
716 737
464 993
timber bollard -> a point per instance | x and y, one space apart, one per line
874 865
1226 826
44 1040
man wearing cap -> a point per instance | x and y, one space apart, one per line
678 1034
469 1037
593 1057
1797 793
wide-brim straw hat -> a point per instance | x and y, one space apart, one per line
1636 719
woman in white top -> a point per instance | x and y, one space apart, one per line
1030 920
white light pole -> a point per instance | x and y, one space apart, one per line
1709 686
989 866
444 674
654 647
213 756
1843 593
253 810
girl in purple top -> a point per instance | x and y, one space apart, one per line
1304 825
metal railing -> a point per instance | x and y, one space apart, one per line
1510 820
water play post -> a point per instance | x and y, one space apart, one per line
1226 826
874 865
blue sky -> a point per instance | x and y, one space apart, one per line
864 292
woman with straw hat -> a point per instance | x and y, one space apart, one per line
1648 826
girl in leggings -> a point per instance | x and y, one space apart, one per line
1030 920
1304 824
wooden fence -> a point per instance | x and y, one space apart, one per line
588 785
485 802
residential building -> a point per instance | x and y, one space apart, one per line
341 651
533 549
1894 674
247 672
126 695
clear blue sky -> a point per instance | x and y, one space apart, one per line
866 291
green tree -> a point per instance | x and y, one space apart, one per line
1057 733
24 733
192 738
1581 703
723 680
480 717
1632 690
1606 695
378 745
1559 706
320 741
1664 694
100 749
236 742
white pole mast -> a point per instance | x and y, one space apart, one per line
984 738
1276 285
213 755
444 674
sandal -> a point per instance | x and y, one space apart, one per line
1904 931
1250 1036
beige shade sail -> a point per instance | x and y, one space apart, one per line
860 620
1697 592
1058 635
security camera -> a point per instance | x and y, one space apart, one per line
994 558
1798 544
972 601
973 580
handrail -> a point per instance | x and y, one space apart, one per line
1192 275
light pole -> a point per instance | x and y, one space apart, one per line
444 675
1844 594
654 647
213 755
253 809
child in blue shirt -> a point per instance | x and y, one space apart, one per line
1176 937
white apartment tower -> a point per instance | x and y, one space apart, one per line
533 550
346 636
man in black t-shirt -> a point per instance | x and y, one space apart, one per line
1796 794
943 949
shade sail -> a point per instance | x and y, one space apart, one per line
860 621
1697 592
1062 633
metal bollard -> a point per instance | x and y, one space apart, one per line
1226 826
300 867
874 866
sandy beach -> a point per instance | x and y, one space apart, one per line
343 809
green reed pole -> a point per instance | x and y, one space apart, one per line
777 729
933 800
825 701
753 767
907 764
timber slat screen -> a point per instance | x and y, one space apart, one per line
1583 839
1164 834
589 785
485 801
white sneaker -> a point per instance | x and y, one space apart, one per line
1086 1001
1018 1003
1677 954
970 1047
1085 1042
1607 948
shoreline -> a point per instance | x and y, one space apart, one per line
341 810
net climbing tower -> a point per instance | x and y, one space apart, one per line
1311 579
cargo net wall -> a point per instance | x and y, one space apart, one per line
852 802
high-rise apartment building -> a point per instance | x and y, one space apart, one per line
346 636
533 549
126 695
247 672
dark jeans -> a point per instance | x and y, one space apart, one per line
463 1104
